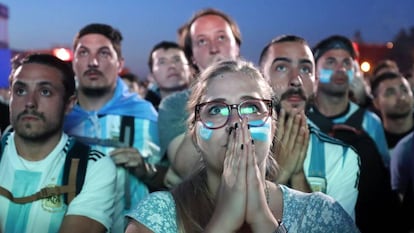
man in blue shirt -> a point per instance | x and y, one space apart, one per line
111 118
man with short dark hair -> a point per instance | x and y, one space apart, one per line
111 118
169 68
394 100
33 157
327 164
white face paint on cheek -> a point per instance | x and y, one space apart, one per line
263 132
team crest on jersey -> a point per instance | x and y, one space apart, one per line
53 203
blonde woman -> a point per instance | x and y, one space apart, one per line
232 124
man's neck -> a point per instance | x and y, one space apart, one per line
36 150
164 92
93 103
399 125
331 105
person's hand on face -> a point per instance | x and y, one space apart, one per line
241 197
301 145
232 195
290 147
258 213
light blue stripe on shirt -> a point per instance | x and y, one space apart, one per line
25 183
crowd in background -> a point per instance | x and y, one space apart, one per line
304 141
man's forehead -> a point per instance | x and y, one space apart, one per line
290 50
94 40
211 22
169 51
398 81
334 53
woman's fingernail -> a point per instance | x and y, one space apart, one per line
230 129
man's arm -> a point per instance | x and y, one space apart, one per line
95 202
80 224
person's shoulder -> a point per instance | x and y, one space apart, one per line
163 196
93 155
156 211
135 97
407 139
96 155
159 200
175 98
316 212
330 142
370 115
316 198
404 146
323 137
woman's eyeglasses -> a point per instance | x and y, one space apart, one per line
216 114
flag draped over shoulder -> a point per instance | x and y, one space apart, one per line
123 103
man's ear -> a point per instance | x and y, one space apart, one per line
375 101
70 104
151 78
316 83
121 63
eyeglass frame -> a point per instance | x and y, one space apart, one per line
268 102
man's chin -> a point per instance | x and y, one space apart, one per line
295 107
399 115
94 91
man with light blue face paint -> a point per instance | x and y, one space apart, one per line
334 57
335 114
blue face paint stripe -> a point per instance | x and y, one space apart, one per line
325 75
351 75
25 183
261 133
205 133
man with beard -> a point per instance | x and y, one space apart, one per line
394 100
111 118
169 68
33 157
209 36
288 65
